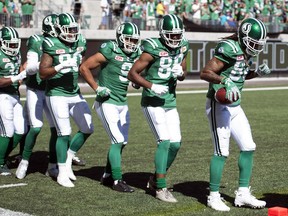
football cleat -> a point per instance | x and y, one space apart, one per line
217 203
245 198
78 162
4 170
151 184
64 181
107 181
165 195
52 172
121 186
22 169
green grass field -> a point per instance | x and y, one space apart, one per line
267 113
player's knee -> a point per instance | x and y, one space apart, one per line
249 147
35 130
87 130
175 146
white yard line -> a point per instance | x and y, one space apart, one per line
12 185
6 212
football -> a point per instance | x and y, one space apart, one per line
220 96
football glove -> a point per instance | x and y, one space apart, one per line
177 70
66 64
159 89
136 86
232 91
263 69
19 76
103 91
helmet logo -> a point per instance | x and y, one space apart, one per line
246 28
48 20
120 29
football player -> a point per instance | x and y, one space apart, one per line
229 68
35 103
12 121
164 62
115 59
59 66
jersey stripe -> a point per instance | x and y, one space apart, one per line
49 42
233 46
12 32
36 37
263 29
152 42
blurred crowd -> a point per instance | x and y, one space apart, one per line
16 13
228 13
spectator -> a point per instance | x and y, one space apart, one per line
136 11
228 21
196 11
266 12
127 12
106 15
242 12
214 9
205 13
160 10
77 9
27 12
150 15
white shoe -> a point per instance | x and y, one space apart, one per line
217 203
247 199
64 180
71 174
22 169
165 195
52 172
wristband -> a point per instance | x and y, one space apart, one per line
14 78
58 67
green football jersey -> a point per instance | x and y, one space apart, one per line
65 82
159 71
34 44
114 72
236 66
9 66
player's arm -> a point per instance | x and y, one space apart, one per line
184 68
134 73
46 70
91 63
211 71
32 66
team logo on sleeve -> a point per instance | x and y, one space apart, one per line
240 57
80 49
119 58
6 60
163 53
103 45
183 49
221 50
60 51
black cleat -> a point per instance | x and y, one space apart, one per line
121 186
108 181
78 162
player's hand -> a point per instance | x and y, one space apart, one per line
159 89
177 70
232 91
135 86
263 69
19 76
66 64
103 91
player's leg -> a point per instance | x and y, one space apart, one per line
241 132
34 108
81 114
157 121
115 120
6 130
59 110
173 124
219 123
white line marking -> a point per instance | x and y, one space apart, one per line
13 185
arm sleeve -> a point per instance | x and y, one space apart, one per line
32 63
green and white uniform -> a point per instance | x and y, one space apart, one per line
160 111
35 103
11 111
62 91
230 120
113 110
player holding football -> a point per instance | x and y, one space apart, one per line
164 62
12 122
116 59
35 103
59 66
229 68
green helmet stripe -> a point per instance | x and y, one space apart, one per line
175 21
263 29
71 18
12 32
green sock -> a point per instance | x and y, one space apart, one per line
4 143
30 142
61 148
108 165
52 145
161 157
115 160
245 164
172 153
161 183
216 169
13 143
78 141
